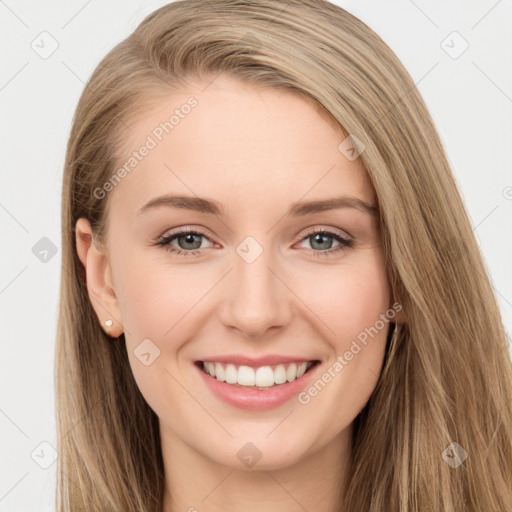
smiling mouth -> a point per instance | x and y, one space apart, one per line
263 377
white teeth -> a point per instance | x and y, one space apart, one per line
210 368
231 374
246 376
301 369
291 372
219 372
262 377
280 374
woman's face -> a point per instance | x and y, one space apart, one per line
261 274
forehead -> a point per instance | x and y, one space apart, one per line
237 143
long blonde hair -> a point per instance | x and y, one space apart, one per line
447 375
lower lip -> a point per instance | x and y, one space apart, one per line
256 399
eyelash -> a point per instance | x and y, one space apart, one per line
345 243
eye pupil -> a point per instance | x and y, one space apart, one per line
189 239
317 239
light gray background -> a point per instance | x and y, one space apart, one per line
470 98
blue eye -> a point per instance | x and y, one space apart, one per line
318 237
188 236
192 239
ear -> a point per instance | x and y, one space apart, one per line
98 278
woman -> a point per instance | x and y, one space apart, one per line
257 368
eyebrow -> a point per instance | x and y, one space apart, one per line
297 209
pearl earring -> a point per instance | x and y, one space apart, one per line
108 323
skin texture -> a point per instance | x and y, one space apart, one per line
256 151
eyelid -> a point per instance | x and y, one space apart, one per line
311 230
189 228
345 242
167 235
320 229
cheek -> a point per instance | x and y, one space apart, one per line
154 297
349 300
354 308
158 303
351 304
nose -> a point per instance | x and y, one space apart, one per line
256 297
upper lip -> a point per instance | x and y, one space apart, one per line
256 362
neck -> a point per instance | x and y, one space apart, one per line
195 482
